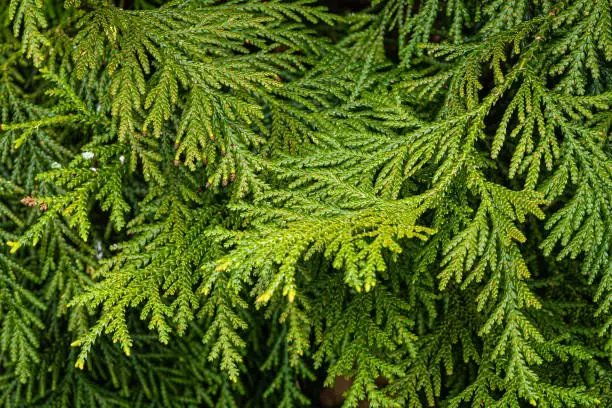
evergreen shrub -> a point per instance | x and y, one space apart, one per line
247 203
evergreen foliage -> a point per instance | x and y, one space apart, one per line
237 203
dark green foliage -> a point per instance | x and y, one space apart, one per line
234 203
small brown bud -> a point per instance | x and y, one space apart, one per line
43 207
176 162
233 177
208 185
29 201
224 182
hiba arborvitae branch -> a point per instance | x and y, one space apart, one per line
247 208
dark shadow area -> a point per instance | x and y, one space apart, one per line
345 6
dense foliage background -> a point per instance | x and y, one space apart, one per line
244 203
